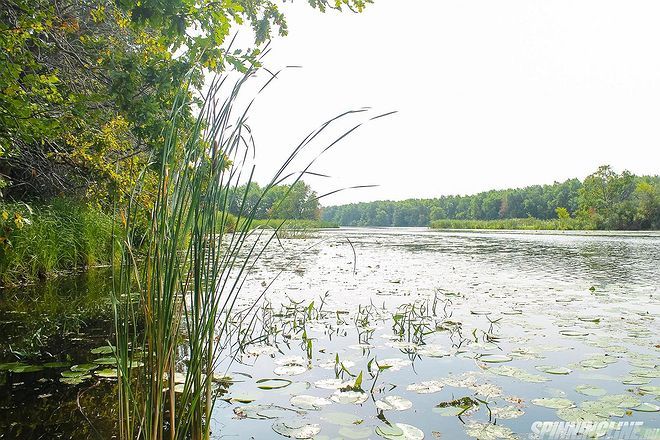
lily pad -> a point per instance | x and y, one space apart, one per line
553 402
273 384
340 418
647 407
400 431
108 373
355 432
298 429
487 431
495 358
289 370
426 387
84 367
308 402
554 370
104 349
590 390
396 403
349 397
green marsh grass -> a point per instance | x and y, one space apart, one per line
179 298
40 240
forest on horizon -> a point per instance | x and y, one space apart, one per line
603 200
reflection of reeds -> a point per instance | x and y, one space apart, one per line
179 297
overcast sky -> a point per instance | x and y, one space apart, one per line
490 94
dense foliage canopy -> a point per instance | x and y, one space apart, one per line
86 86
604 200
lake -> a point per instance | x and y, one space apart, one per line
389 333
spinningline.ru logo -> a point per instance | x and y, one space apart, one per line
606 430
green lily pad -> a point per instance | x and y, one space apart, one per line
495 358
426 387
554 370
400 431
349 397
340 418
553 402
298 429
355 432
273 384
647 407
396 403
108 373
590 390
104 349
487 431
308 402
84 367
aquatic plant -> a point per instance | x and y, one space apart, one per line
178 300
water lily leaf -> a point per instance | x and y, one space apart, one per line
355 432
652 373
331 384
635 380
392 364
554 370
298 429
71 374
486 431
291 360
108 373
257 350
575 415
448 411
495 358
553 402
590 390
647 407
573 333
273 384
289 370
26 368
426 387
104 349
517 373
400 431
349 397
308 402
432 350
621 400
340 418
261 412
84 367
507 412
396 403
650 389
106 361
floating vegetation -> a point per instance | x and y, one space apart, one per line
396 403
400 431
298 429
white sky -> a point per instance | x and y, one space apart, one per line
490 94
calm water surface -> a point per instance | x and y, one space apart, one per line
523 327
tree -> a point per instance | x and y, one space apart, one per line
86 85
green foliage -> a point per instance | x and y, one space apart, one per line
296 201
86 87
61 235
605 200
621 201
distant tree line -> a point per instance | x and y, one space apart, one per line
291 202
604 200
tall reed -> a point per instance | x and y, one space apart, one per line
177 298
